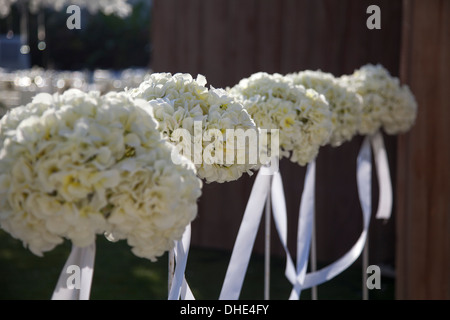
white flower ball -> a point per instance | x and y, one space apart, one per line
345 105
79 164
386 103
301 115
179 102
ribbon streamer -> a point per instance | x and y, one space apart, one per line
179 283
280 219
298 278
245 239
364 180
297 275
186 293
82 258
385 197
306 215
247 233
364 175
384 178
305 228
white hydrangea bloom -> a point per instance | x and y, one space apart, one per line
79 164
386 103
178 102
302 115
345 105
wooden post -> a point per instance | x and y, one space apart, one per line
423 175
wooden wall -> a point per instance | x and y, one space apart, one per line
423 174
227 40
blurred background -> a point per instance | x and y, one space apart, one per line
227 40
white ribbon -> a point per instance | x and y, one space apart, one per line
384 178
247 233
364 180
297 275
305 227
179 287
306 215
245 239
298 278
280 219
249 227
83 260
186 293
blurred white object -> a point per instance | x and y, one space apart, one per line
18 87
120 8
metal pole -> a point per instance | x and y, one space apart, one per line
313 256
365 264
171 269
267 250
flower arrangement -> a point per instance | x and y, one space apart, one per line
77 164
179 102
386 103
345 105
301 114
